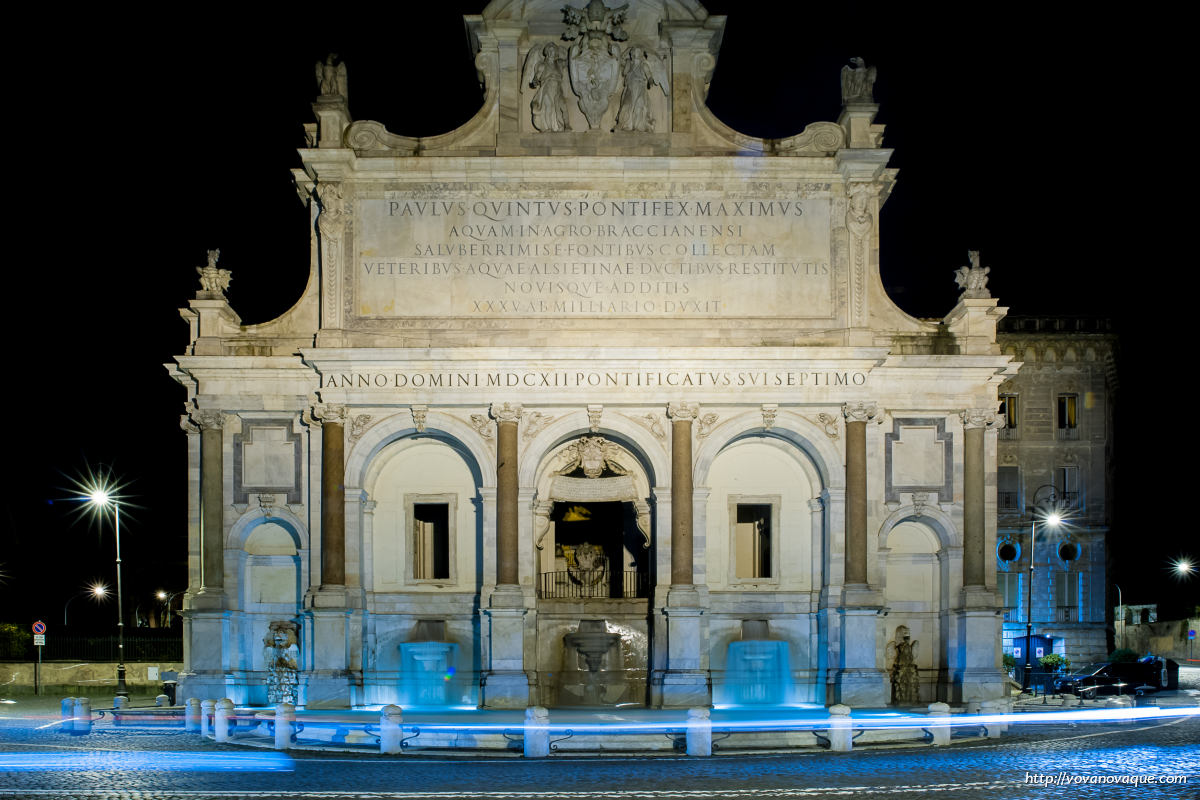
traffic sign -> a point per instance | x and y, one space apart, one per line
1191 634
39 639
39 627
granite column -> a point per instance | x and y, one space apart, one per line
976 668
859 681
505 684
685 681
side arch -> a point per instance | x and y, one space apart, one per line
823 457
442 427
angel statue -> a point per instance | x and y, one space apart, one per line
544 68
641 73
213 280
858 82
331 77
973 279
902 661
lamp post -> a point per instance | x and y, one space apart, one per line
1045 505
166 598
102 499
98 591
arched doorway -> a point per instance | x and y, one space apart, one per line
593 537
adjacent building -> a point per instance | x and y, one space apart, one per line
596 401
1056 450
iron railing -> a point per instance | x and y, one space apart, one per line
82 647
592 583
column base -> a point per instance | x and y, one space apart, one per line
324 689
682 689
202 686
861 687
504 689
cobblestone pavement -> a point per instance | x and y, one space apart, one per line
37 760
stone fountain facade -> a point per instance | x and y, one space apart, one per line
592 356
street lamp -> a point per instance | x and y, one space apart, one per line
101 499
1045 507
166 598
97 590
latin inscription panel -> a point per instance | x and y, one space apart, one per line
569 257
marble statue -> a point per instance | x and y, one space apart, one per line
858 82
281 653
544 68
902 658
973 279
641 72
331 77
214 281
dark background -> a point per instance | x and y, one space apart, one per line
1042 141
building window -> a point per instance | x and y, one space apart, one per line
1008 488
1066 482
754 522
1009 412
431 536
1009 586
1068 416
1066 596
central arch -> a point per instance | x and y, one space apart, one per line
593 537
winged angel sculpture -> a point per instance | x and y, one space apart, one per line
642 72
544 72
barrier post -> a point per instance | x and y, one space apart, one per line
537 732
699 732
390 732
840 736
939 723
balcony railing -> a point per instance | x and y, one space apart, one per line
581 584
1064 614
1068 434
1009 501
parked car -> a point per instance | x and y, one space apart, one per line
1111 678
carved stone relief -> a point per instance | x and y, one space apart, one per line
973 279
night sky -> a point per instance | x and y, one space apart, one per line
136 154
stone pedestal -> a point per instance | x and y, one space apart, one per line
505 684
684 683
325 682
860 682
206 634
977 673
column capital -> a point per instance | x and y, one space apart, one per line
328 412
861 412
209 419
187 425
816 504
506 412
683 412
980 418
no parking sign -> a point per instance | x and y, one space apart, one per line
39 633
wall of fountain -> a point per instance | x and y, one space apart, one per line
564 677
756 662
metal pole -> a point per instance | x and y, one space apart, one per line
122 691
1029 607
1121 609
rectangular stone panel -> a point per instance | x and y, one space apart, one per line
584 256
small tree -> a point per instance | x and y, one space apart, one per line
1054 662
1010 662
1122 655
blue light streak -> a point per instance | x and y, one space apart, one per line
104 761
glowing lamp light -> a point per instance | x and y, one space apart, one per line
1053 518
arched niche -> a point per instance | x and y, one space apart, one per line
590 485
759 519
426 522
915 570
